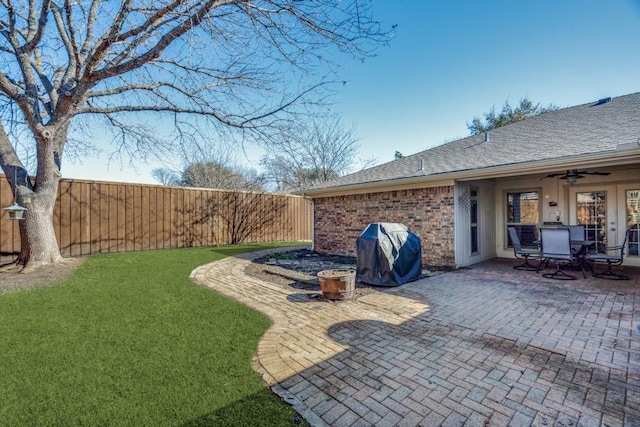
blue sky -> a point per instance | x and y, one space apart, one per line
452 60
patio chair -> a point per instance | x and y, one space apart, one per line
576 232
615 259
556 248
521 252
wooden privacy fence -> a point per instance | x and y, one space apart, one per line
101 217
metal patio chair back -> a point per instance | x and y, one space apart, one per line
521 252
613 256
576 232
556 248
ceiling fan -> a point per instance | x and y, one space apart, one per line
572 175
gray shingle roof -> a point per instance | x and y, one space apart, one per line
584 129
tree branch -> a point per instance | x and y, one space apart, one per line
36 31
187 24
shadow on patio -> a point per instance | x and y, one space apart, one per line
497 345
487 345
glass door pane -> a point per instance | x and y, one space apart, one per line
633 222
591 210
474 221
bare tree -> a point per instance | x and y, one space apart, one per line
216 175
322 152
166 176
215 166
244 66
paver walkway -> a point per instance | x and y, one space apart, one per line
486 346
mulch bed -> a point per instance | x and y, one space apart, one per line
298 270
11 280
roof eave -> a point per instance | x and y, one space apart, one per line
380 186
611 158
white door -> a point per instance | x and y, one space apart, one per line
603 210
629 217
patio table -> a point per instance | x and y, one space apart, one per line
580 255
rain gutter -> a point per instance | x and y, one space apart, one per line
624 154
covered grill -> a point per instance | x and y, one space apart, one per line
389 254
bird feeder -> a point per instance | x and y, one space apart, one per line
16 212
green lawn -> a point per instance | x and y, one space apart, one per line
130 340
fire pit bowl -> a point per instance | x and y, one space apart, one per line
337 284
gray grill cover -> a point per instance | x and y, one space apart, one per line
389 254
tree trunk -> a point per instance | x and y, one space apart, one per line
39 245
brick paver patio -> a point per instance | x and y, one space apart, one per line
485 346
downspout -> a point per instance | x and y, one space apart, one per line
313 222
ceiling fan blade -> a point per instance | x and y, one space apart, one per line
594 173
574 174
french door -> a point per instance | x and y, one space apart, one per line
629 215
607 212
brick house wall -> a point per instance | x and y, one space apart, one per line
428 212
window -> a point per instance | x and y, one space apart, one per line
473 212
523 213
